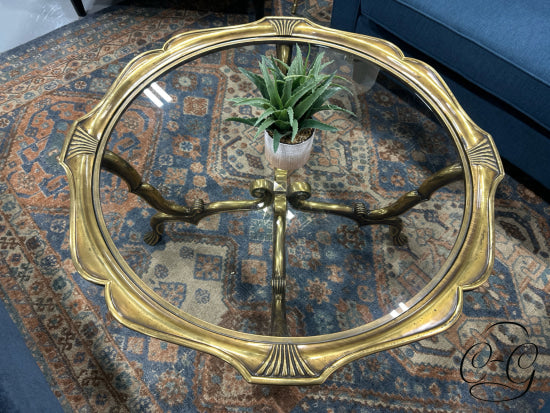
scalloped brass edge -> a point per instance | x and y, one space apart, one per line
307 360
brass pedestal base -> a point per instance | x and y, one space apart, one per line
278 194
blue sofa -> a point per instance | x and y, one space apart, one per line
493 54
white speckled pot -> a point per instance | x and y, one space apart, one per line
288 156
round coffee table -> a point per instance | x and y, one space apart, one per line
287 275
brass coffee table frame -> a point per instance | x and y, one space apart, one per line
279 359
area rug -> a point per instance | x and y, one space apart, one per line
495 358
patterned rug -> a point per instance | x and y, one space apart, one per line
495 358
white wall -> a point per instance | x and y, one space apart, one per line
24 20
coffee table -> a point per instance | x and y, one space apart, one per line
287 275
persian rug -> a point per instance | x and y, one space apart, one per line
92 363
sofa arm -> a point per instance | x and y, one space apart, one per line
345 14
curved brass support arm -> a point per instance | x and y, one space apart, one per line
261 189
301 191
120 167
424 192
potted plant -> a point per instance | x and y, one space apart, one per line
290 96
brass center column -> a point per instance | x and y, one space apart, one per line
278 280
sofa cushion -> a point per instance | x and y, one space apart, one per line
502 46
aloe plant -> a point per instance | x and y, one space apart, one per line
290 96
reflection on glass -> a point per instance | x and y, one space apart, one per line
157 95
339 276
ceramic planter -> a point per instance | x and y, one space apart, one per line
288 156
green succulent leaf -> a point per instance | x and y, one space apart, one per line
282 126
295 128
258 81
282 115
297 65
276 140
318 65
305 88
271 85
266 124
315 124
318 105
256 102
342 87
336 108
264 116
293 123
276 70
280 64
287 90
306 104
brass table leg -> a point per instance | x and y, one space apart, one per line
294 6
284 54
278 280
278 194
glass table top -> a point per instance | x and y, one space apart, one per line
369 246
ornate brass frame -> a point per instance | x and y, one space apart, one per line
280 359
